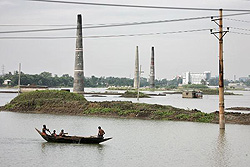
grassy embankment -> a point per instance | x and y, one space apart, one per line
63 102
133 94
205 89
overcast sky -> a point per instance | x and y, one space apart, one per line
175 54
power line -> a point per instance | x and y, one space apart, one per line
244 29
139 6
121 24
117 25
149 34
113 36
37 30
48 25
240 33
37 37
35 25
238 20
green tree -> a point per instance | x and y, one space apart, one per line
46 74
247 82
203 82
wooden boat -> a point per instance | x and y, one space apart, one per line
73 139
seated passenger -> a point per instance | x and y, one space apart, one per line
54 133
44 130
62 133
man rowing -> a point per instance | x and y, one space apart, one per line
100 132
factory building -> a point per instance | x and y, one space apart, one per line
196 78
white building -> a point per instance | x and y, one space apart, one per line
196 78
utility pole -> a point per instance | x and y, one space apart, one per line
221 70
138 89
19 78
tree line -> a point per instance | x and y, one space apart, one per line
47 79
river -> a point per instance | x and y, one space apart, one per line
135 142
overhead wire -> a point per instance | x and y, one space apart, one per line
240 33
113 36
117 25
124 24
238 20
138 6
47 25
35 25
237 28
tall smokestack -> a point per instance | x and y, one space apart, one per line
136 77
78 71
152 70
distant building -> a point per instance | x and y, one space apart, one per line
244 79
237 85
196 78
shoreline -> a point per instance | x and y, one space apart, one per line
66 103
231 118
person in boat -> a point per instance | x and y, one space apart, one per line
44 130
62 133
100 132
54 133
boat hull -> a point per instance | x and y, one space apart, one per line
72 139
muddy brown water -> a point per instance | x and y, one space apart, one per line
135 142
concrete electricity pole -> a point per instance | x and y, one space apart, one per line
152 70
139 81
221 70
19 78
78 86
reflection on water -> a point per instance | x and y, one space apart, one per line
135 142
73 153
222 152
221 149
47 145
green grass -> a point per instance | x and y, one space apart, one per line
133 94
37 99
49 94
62 102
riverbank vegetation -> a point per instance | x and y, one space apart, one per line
47 79
134 94
203 88
63 102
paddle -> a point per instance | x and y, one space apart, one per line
49 131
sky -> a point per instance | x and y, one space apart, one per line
175 53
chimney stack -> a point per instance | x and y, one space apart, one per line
78 71
136 77
152 70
